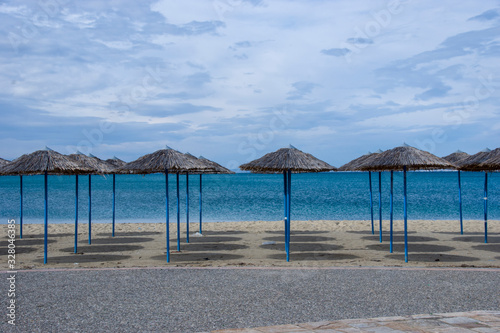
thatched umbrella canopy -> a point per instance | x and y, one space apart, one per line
115 162
493 162
482 162
165 161
97 166
456 158
472 162
3 162
287 160
405 158
216 166
356 165
46 162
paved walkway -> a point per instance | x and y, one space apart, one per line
474 321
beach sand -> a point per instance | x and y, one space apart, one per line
313 244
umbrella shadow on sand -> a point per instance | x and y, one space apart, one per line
86 258
19 250
197 257
477 239
432 257
304 247
303 256
400 238
298 232
300 238
107 241
214 239
214 247
488 247
103 248
415 247
132 233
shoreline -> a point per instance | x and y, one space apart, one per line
317 243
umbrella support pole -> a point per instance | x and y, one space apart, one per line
167 216
187 207
380 204
76 213
289 213
405 214
486 207
200 204
46 221
21 207
391 214
90 209
371 199
114 201
460 203
178 216
285 201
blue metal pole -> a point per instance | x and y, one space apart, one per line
200 203
371 199
392 208
114 201
46 222
178 217
167 218
460 203
187 207
486 207
289 212
380 204
76 213
90 209
21 208
285 199
405 216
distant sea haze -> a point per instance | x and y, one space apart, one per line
249 197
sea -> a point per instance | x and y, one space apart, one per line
249 197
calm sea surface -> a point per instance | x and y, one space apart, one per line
246 197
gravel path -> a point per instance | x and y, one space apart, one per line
194 300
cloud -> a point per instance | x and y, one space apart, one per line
486 16
336 52
433 93
359 40
301 89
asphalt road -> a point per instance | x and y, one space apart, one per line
195 300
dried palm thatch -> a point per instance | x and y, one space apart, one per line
473 162
161 160
91 162
3 162
287 159
356 164
412 158
492 163
216 166
456 157
42 161
207 168
115 162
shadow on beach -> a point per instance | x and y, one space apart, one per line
197 257
119 240
431 257
86 258
413 247
102 248
303 256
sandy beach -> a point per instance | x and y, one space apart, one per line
259 243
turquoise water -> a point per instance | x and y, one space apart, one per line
245 197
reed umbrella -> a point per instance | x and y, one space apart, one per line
355 165
45 162
405 158
456 158
476 163
287 160
164 161
207 168
97 166
115 163
217 169
3 162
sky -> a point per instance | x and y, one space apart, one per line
233 80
